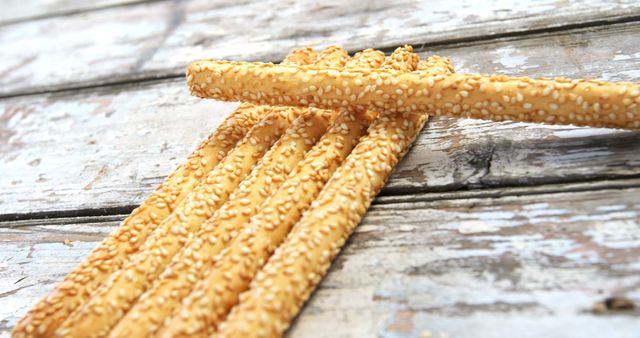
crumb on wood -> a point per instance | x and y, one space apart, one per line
67 242
615 303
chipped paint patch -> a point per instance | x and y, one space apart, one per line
474 227
508 58
580 132
622 234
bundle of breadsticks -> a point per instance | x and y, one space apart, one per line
237 238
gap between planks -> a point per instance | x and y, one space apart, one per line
385 200
486 25
91 7
126 139
470 268
451 43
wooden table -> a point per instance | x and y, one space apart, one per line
485 230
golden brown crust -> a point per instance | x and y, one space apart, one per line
115 297
368 58
555 101
332 56
436 65
80 283
214 295
403 60
190 264
283 285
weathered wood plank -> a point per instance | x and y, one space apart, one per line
154 40
96 142
16 10
109 147
455 266
525 266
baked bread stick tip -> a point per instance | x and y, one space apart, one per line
217 292
494 97
78 286
403 60
301 56
436 65
194 259
283 285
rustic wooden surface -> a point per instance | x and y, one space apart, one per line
107 167
485 230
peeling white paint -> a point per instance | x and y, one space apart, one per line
579 132
509 60
474 227
621 234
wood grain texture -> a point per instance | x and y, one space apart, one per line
525 261
117 143
94 48
17 10
93 136
499 243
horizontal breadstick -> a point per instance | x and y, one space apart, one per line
214 295
117 293
555 101
194 260
297 266
78 285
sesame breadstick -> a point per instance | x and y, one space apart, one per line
214 295
114 298
495 97
297 266
194 260
44 318
435 65
108 256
